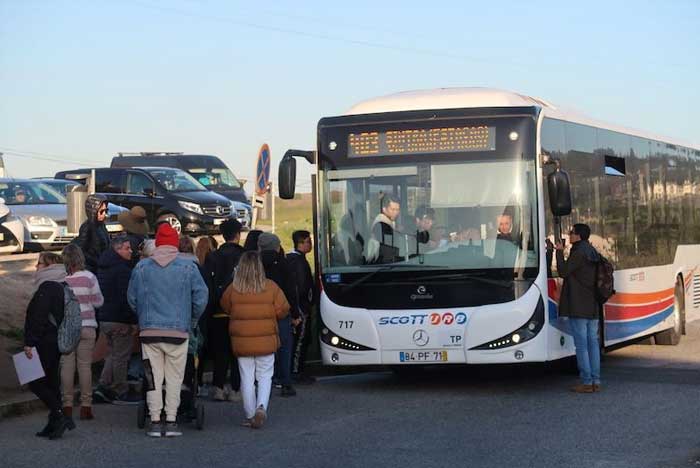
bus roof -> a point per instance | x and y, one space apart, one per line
456 98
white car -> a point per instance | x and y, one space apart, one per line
42 211
11 231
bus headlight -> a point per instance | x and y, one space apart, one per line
526 332
330 338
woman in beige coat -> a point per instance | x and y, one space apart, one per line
254 305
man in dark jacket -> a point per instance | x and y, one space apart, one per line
136 226
577 301
277 269
304 297
219 265
93 238
117 320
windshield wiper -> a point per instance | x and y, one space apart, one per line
383 269
480 278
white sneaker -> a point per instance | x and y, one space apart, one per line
219 394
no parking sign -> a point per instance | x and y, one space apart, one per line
263 170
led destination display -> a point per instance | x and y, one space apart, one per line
420 141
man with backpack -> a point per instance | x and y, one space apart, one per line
219 265
580 302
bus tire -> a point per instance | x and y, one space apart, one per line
672 336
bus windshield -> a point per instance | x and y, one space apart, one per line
467 215
215 176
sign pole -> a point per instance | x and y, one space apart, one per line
272 194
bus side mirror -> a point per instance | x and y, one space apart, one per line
287 177
559 193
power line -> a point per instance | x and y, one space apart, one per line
45 157
377 45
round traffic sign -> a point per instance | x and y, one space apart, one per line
263 170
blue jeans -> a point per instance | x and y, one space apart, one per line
283 357
585 333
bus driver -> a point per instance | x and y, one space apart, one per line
382 247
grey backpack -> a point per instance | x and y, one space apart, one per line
69 329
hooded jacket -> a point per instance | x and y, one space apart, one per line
113 274
93 237
219 266
577 297
167 293
48 299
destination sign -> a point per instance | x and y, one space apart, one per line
421 141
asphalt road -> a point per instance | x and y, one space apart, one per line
647 416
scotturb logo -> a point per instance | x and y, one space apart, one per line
422 293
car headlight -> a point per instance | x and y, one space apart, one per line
193 207
40 221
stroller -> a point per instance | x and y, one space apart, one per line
189 410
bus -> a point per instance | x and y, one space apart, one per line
434 211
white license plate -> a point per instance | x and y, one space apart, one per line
2 236
219 221
423 356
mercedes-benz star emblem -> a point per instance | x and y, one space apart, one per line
219 210
420 337
421 290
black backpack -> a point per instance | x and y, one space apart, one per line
604 286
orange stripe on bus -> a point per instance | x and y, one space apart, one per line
640 298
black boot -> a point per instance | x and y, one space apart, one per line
46 431
63 422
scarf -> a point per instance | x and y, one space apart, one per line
55 272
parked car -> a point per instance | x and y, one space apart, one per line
11 231
167 194
42 211
209 170
59 184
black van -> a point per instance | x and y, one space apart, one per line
209 170
167 194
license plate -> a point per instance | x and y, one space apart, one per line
423 356
2 236
218 221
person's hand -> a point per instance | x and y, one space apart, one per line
28 352
558 246
296 321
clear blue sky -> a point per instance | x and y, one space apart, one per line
83 79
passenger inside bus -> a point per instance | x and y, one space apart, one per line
347 244
383 245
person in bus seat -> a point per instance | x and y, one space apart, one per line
505 228
418 228
383 246
347 244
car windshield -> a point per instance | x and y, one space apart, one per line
472 215
30 193
215 176
60 185
175 180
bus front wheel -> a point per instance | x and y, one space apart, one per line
672 336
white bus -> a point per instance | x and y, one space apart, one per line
455 268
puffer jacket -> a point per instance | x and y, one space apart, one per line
93 238
253 319
577 295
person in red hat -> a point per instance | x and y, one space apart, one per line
168 294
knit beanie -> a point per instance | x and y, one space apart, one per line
268 241
166 235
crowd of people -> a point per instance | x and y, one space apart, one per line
246 309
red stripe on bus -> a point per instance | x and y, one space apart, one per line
616 312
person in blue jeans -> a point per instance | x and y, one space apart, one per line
578 302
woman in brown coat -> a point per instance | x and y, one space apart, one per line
254 305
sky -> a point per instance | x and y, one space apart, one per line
82 80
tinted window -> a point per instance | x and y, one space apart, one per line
109 182
137 183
